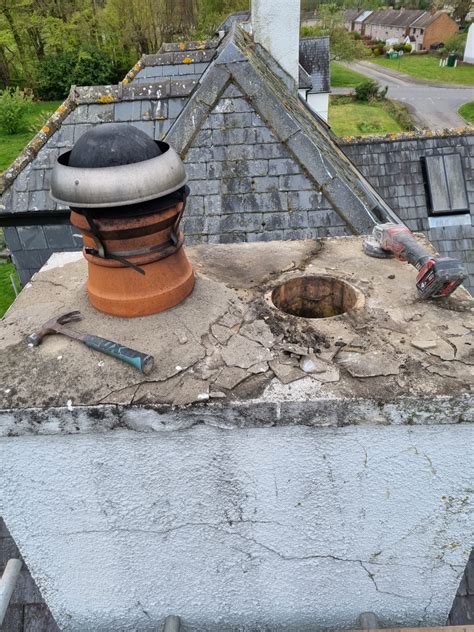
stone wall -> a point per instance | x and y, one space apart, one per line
27 611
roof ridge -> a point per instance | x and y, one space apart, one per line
272 94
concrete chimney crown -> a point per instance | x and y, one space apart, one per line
276 26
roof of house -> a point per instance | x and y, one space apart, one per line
351 14
314 57
398 18
177 106
426 19
239 16
362 16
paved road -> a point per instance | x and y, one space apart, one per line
432 105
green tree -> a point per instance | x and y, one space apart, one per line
343 46
14 106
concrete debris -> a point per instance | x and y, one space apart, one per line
284 358
312 364
260 367
330 354
424 345
453 369
357 344
223 338
230 377
209 343
464 348
386 320
230 320
150 392
454 329
191 390
221 333
370 364
244 353
286 373
443 350
292 348
332 374
250 315
217 395
258 331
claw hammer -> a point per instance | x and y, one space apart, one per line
140 361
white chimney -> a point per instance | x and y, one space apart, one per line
276 26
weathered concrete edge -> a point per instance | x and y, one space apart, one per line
324 412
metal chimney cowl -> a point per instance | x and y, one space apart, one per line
127 194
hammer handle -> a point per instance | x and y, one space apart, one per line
140 361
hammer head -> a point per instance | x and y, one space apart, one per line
52 326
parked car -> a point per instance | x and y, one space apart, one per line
437 46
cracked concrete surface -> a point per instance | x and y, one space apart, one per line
227 345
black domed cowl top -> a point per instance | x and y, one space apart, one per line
111 145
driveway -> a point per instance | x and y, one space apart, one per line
433 105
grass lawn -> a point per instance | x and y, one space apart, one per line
12 144
342 77
7 294
355 118
427 67
467 112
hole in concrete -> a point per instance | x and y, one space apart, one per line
315 297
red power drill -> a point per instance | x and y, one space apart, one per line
437 277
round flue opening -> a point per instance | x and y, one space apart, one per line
315 297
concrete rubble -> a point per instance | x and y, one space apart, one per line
228 344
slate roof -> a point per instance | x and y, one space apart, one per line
426 19
314 57
163 102
351 14
362 16
187 60
228 23
401 18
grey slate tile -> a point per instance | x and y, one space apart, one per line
32 237
37 618
59 236
12 240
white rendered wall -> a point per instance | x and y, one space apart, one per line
276 26
469 50
293 527
319 103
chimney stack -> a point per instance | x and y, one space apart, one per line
276 27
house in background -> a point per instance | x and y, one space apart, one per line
432 28
390 24
424 28
354 20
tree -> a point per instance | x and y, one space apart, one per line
342 45
461 9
